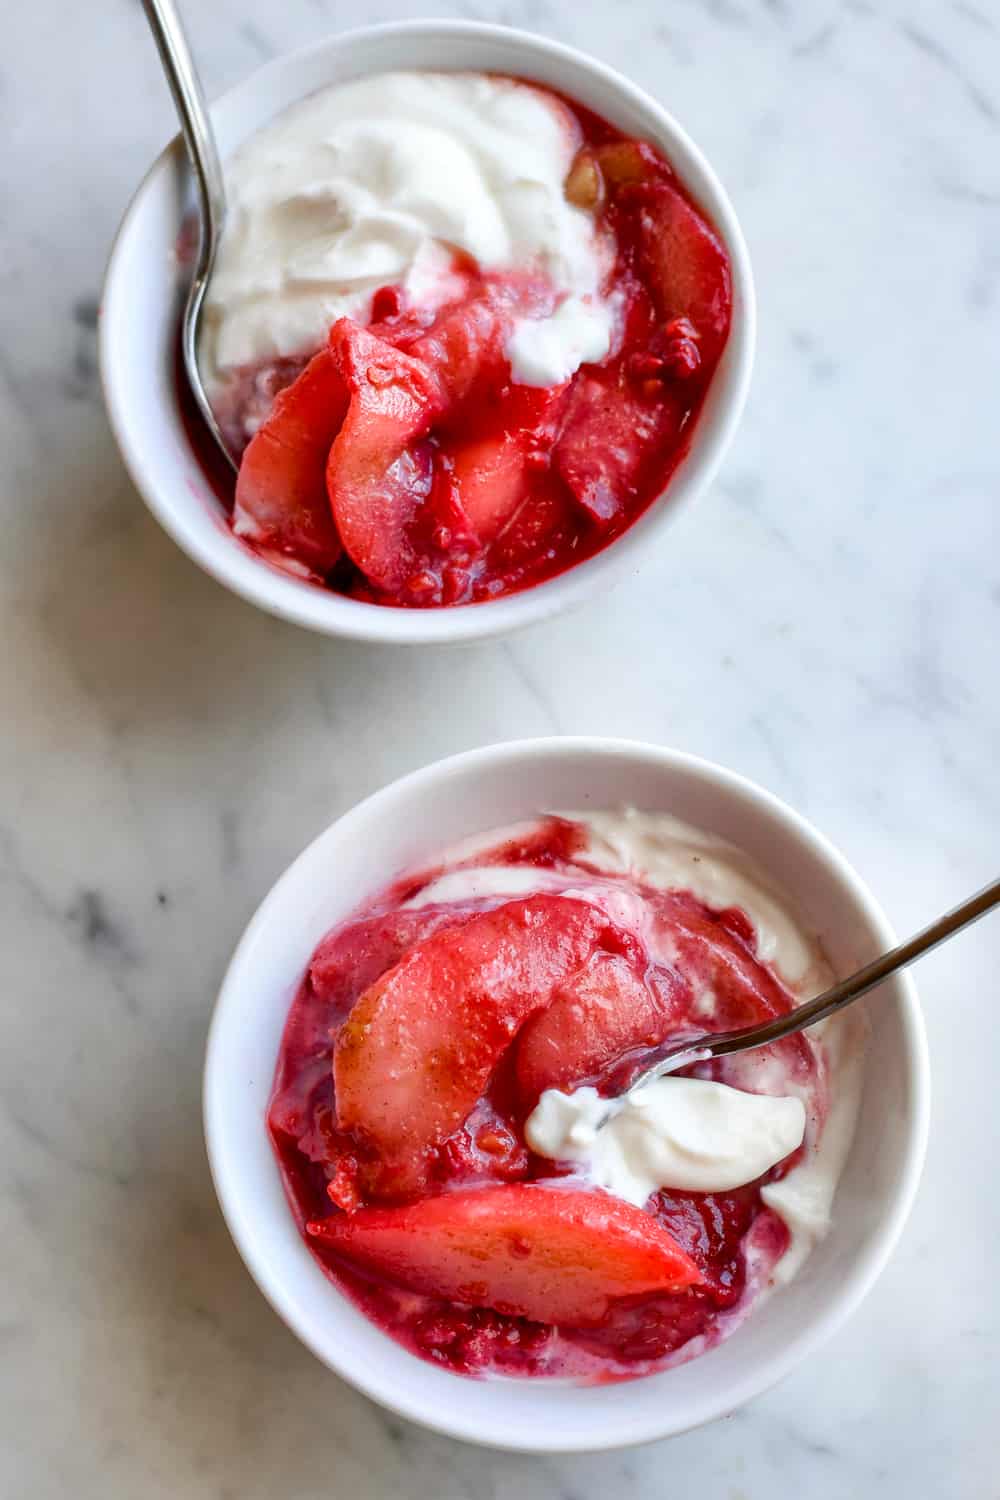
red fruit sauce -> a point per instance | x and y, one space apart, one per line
572 477
733 1238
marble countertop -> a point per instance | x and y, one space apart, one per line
827 621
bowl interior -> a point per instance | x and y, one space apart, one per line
410 821
141 305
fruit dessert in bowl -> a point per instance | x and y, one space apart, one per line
409 1076
480 322
458 335
437 1110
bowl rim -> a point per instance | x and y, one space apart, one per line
864 1269
332 614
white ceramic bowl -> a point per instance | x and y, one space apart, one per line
403 825
140 312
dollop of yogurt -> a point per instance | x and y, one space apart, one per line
380 180
685 1133
547 351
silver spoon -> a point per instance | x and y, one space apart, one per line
196 128
840 995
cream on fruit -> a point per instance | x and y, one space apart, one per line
547 351
380 180
685 1133
667 854
671 854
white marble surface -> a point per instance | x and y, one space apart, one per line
827 622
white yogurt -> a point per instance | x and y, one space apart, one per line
682 1133
547 351
672 855
376 181
690 1138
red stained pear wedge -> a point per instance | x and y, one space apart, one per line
713 954
349 959
552 1254
421 1044
611 436
687 265
595 1017
465 348
376 476
491 472
281 499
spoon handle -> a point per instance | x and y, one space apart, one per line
192 111
842 994
196 127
